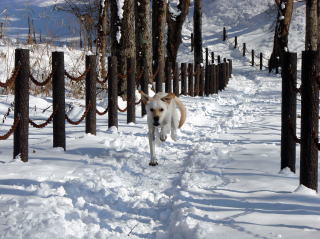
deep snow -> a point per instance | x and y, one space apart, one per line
220 179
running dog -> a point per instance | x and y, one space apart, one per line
162 115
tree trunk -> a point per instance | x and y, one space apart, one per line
114 28
197 32
311 25
144 38
158 39
103 24
127 43
175 24
280 42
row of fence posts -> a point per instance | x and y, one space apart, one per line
245 51
193 81
309 91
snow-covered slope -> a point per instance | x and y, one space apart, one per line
219 180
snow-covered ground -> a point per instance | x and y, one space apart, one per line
220 179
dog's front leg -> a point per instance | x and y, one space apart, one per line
151 134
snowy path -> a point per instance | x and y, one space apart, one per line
220 178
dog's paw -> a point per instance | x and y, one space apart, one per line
153 163
163 137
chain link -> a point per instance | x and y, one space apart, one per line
11 79
84 115
38 83
11 130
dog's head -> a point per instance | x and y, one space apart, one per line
157 106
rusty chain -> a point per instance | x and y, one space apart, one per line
38 83
125 109
101 82
79 78
11 79
11 130
84 115
48 121
103 112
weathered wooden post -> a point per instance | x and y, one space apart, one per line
197 80
131 90
91 92
219 59
201 81
183 78
212 57
261 61
190 80
21 104
221 76
207 80
144 85
252 57
168 80
289 111
224 34
176 80
113 92
230 67
197 30
309 120
58 100
244 49
215 74
235 42
207 56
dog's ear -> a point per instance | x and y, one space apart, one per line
168 98
144 97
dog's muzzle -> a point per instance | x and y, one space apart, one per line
156 121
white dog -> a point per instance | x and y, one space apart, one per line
162 114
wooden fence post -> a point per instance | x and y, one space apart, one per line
91 92
212 57
215 79
207 81
230 67
207 56
224 34
309 120
244 49
261 61
219 59
197 80
113 92
252 57
176 80
289 111
168 80
201 81
144 86
190 80
58 100
183 78
221 76
131 90
235 42
21 104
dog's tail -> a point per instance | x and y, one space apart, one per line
183 111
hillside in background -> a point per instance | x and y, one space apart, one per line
220 180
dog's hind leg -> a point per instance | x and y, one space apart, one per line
153 158
174 125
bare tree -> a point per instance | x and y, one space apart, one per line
175 22
311 25
144 37
197 32
158 39
280 41
87 13
103 31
